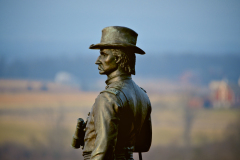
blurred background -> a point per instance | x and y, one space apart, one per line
191 72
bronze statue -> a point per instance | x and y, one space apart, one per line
120 120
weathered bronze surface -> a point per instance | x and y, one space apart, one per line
120 119
78 137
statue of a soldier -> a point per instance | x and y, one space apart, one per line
120 120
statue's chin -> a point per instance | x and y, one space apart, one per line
101 72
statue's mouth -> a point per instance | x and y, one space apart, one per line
100 68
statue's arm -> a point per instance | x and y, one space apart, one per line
106 121
144 139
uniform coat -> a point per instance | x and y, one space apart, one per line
119 122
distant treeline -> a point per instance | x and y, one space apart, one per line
199 69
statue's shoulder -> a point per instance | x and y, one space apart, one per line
118 93
111 90
114 88
143 90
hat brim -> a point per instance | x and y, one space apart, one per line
117 46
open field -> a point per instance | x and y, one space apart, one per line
47 119
32 112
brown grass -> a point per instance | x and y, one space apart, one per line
39 115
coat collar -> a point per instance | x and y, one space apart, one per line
117 78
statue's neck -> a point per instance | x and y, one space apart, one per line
116 73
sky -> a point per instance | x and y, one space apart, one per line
31 28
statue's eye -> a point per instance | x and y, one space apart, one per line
104 54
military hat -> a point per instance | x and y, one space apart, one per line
118 37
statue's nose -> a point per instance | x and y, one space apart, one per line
97 61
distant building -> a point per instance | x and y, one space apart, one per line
236 91
65 78
222 95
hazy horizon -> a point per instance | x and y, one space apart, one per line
68 28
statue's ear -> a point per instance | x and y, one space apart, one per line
118 59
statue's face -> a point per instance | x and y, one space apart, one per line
106 62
